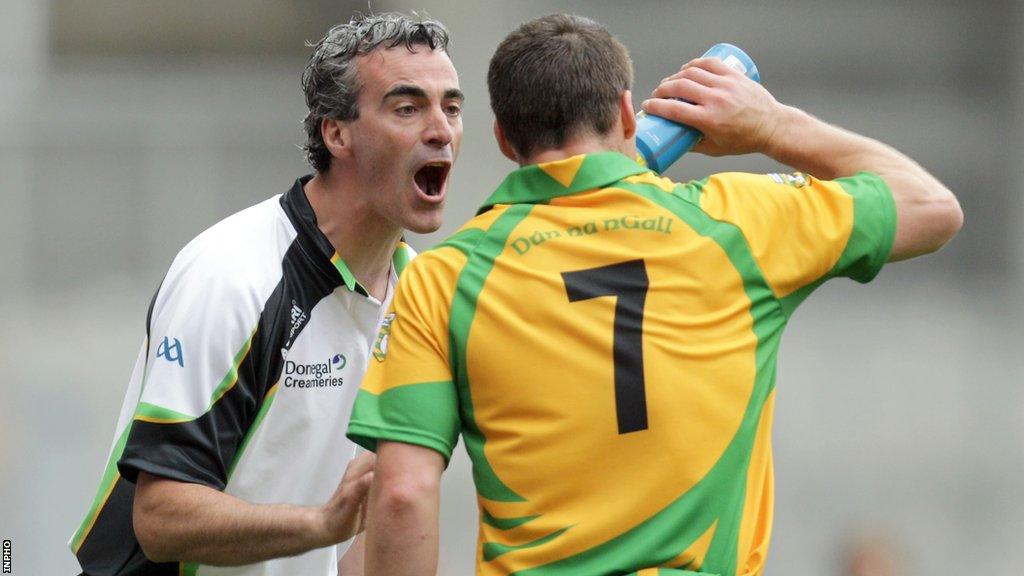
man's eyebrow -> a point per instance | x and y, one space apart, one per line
405 90
417 92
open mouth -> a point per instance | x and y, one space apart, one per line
431 178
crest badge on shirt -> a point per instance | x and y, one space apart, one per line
380 347
796 179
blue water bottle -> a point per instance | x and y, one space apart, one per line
660 142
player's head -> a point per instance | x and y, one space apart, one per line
559 78
385 117
331 79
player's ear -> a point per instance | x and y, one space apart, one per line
506 147
337 137
627 114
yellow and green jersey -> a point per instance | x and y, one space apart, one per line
605 341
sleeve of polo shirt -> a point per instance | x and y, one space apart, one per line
802 231
200 388
408 394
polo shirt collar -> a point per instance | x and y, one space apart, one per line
319 248
540 183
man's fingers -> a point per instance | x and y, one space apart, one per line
359 488
674 110
366 481
713 65
361 465
699 75
691 64
683 88
704 146
362 516
355 491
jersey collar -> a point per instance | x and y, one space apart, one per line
319 249
539 183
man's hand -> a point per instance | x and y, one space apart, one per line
182 522
344 515
739 116
736 114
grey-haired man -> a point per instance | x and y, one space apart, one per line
231 443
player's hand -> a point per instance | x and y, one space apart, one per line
344 515
736 114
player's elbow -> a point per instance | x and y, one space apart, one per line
154 543
946 219
953 218
151 524
926 222
400 495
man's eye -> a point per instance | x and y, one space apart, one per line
453 110
407 110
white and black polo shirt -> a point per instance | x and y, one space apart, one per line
256 344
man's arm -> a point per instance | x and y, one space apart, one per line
738 116
401 531
182 522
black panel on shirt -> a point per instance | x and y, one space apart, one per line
117 552
202 450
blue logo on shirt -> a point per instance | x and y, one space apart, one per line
172 352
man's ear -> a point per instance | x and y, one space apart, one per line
506 147
337 137
627 114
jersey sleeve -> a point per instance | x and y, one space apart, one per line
802 230
408 394
200 389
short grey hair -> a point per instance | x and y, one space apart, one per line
330 80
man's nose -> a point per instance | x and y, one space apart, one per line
439 132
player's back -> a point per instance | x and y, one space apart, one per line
604 340
613 349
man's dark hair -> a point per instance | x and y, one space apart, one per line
555 77
330 80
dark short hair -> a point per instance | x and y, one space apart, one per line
555 77
330 81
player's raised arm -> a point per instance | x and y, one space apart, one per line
738 116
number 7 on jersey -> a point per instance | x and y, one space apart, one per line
628 282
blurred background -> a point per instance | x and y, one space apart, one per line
126 128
